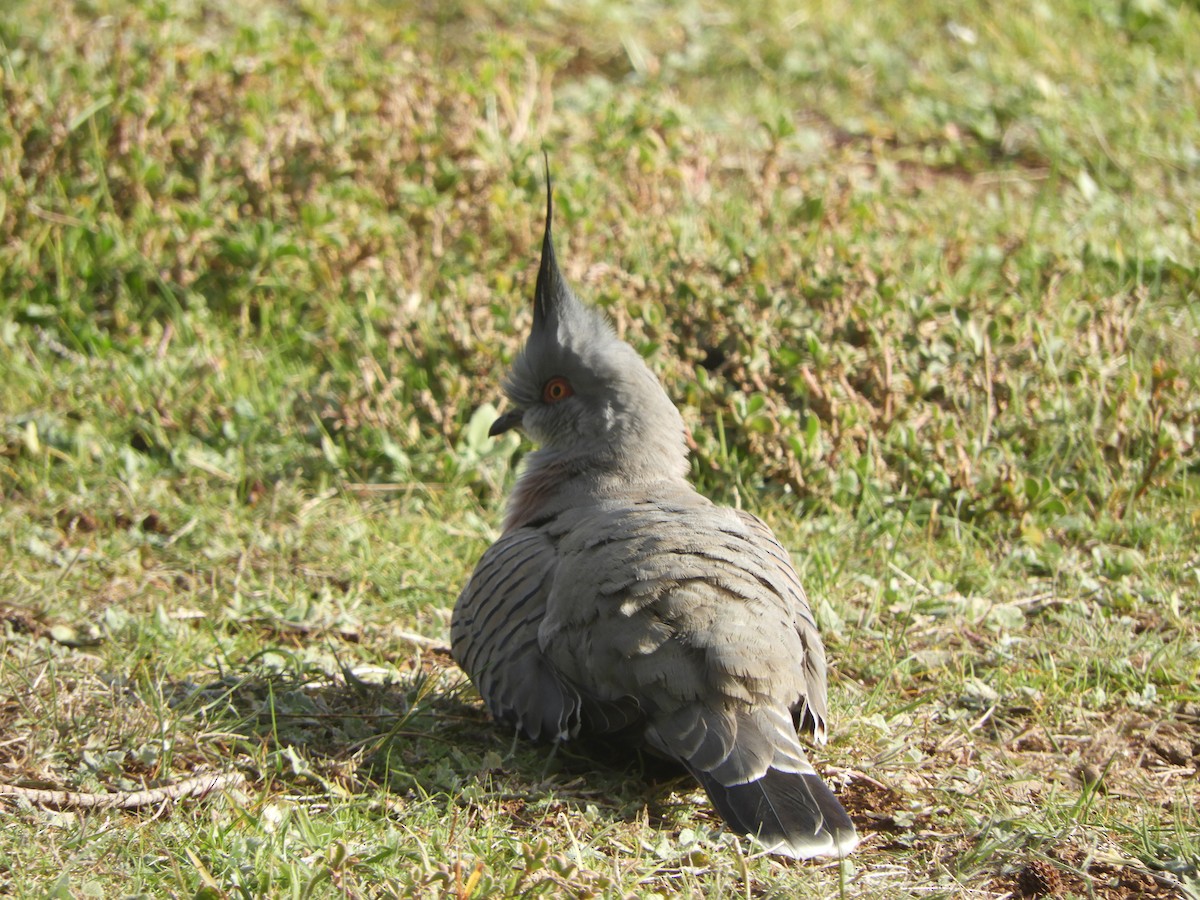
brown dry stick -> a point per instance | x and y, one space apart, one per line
189 787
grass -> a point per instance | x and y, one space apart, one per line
924 283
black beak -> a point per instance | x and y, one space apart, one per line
506 422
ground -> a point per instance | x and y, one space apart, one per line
923 282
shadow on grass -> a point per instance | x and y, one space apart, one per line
422 737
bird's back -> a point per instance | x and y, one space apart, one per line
665 597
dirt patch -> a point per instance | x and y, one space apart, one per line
874 807
20 621
1052 878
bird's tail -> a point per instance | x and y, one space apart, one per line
791 813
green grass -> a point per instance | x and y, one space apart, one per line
923 278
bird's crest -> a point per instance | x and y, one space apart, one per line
551 293
559 317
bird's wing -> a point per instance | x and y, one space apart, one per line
811 712
494 638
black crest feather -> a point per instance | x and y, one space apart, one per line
551 291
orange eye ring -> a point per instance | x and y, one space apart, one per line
556 389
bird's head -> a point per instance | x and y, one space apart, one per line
580 391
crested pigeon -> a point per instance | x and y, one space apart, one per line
620 601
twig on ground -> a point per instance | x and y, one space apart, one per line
420 640
199 786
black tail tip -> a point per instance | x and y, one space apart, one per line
788 813
838 843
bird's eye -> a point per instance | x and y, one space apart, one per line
557 389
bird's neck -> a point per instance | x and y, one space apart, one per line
553 482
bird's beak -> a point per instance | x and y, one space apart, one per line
506 422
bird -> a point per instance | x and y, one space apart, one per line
619 601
